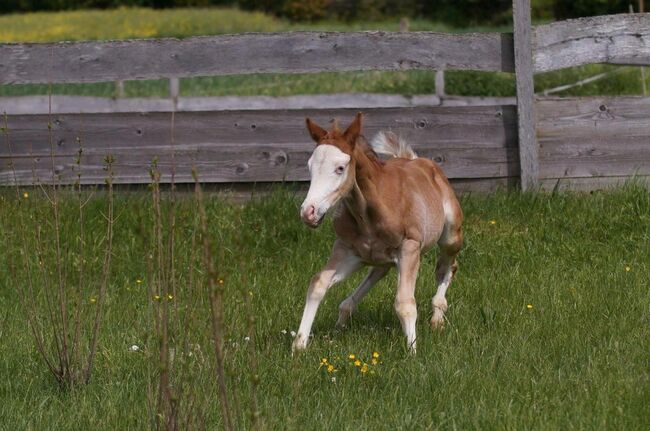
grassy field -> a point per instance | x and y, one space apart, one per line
146 23
548 325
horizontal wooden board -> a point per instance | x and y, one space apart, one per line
293 52
613 39
60 104
594 137
589 184
248 146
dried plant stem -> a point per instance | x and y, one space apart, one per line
252 363
63 313
216 288
106 270
76 348
30 306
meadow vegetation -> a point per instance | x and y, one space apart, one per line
548 325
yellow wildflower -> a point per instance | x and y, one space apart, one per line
529 306
357 363
25 195
375 355
351 356
323 361
374 361
330 368
138 281
170 297
156 297
364 368
93 300
221 281
628 269
493 222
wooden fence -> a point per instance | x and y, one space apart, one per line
565 142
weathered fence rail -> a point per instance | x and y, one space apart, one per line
248 146
565 142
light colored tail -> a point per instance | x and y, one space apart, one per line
392 145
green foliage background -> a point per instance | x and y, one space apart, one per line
454 12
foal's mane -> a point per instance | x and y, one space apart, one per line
363 143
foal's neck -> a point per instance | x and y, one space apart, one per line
364 194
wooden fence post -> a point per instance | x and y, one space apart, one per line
528 148
174 88
440 83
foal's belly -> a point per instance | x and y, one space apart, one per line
374 251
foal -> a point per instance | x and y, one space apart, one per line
390 213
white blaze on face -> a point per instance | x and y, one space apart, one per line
328 167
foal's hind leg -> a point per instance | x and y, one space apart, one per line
349 304
450 243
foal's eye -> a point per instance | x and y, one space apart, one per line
339 170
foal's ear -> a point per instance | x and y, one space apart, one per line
316 131
354 129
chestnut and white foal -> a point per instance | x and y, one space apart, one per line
389 213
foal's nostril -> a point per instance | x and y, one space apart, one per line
308 212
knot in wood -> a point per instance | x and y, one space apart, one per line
241 168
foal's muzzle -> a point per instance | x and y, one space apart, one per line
310 216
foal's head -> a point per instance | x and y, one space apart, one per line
332 169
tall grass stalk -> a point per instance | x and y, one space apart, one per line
216 288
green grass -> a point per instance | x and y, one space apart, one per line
577 360
145 23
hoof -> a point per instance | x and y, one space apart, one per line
437 324
345 312
438 318
299 344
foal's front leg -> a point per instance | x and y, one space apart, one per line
341 264
408 265
350 303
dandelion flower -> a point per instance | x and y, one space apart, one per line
357 363
25 195
221 281
364 368
93 300
138 281
170 297
156 297
330 368
529 306
628 269
351 356
375 355
493 222
323 361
